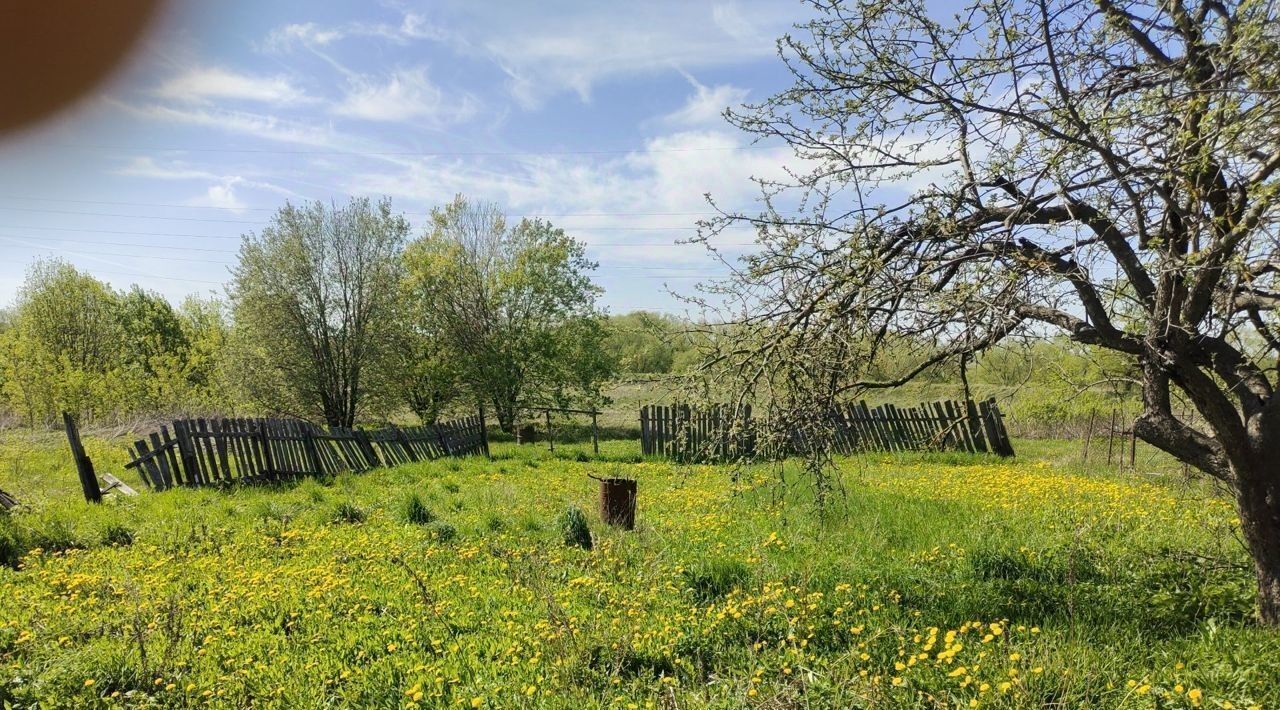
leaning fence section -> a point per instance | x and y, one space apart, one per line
208 452
720 433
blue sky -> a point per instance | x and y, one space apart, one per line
603 116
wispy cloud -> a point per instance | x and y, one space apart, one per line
545 54
260 125
201 84
412 27
706 105
407 95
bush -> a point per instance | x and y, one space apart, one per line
53 535
10 548
348 512
442 532
574 527
415 511
714 579
117 535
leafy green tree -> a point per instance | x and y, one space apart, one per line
63 349
513 305
644 342
314 304
151 329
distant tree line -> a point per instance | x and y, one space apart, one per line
334 313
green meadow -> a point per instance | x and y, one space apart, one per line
925 581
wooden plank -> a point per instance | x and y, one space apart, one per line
959 426
1006 445
975 426
115 484
166 461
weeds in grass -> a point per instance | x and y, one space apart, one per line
415 511
574 528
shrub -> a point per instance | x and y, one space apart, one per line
573 525
415 511
713 579
442 532
53 535
117 535
348 512
10 548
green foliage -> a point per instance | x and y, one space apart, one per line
348 512
10 547
442 532
415 511
574 528
315 299
117 535
514 306
1092 578
73 344
713 579
642 342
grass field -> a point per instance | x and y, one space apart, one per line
931 581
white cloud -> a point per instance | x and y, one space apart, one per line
412 27
404 96
705 106
147 167
221 195
307 34
546 52
200 84
265 126
647 199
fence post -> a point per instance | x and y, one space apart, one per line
84 467
551 438
484 432
595 433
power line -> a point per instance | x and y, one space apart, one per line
422 153
239 236
204 260
273 209
95 242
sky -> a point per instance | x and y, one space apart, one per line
602 117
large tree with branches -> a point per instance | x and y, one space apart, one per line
1101 168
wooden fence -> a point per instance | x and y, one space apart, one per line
680 432
208 452
718 433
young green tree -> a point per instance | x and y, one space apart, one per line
314 304
63 348
513 305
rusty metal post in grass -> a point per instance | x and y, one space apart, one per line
618 502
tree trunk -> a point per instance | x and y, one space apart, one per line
506 414
1258 500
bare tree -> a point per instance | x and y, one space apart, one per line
1101 168
315 305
